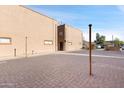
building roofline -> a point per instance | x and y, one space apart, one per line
50 18
37 12
73 27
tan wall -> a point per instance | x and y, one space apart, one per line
18 22
73 38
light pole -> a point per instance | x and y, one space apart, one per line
112 40
26 46
90 48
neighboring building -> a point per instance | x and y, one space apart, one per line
25 32
109 43
86 45
110 46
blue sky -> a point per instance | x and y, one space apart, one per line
106 20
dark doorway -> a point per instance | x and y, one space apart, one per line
61 46
61 37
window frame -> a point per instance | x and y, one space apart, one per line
9 43
48 41
69 43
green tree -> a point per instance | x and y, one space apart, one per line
116 42
121 43
97 37
100 40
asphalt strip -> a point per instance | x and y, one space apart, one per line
76 54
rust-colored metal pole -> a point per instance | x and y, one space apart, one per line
15 52
90 48
26 46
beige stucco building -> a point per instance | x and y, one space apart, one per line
69 38
24 32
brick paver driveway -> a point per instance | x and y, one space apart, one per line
61 70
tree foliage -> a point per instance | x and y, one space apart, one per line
121 43
100 40
118 43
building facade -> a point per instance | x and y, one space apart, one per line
24 32
69 38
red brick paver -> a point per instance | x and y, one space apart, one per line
59 70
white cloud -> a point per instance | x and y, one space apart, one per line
62 16
69 18
121 8
86 36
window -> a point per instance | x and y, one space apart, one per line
5 40
69 43
48 42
